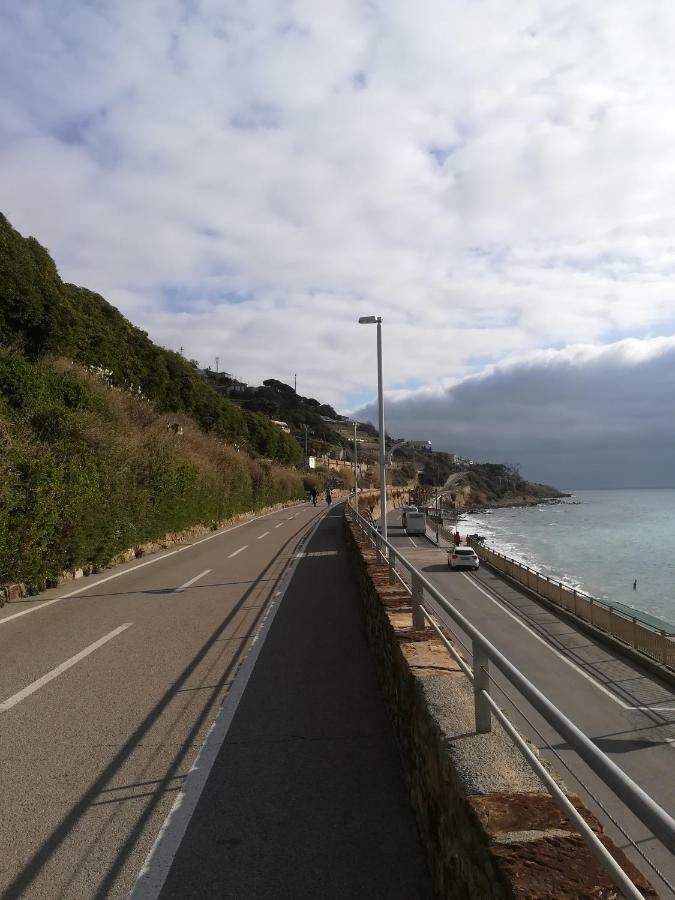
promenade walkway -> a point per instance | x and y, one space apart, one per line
307 795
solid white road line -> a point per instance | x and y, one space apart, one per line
240 550
152 876
261 536
45 603
279 525
50 676
565 659
191 581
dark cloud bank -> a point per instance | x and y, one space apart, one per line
578 418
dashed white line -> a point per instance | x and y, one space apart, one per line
50 676
279 525
150 562
261 536
191 581
240 550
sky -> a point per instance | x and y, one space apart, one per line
496 180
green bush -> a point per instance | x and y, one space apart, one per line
87 470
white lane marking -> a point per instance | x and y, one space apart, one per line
261 536
410 539
36 685
152 876
191 581
279 525
45 603
543 641
240 550
654 709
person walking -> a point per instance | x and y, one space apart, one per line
456 539
635 585
312 492
329 497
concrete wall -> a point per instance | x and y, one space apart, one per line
654 644
489 828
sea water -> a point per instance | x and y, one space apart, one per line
598 541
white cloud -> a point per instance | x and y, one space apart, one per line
491 178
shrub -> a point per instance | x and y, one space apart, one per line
88 470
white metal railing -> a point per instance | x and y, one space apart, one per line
661 824
627 626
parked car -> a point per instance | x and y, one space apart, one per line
415 522
463 558
404 512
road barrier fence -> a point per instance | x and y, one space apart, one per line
631 629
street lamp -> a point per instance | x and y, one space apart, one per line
377 320
356 471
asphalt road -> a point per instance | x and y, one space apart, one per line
626 711
109 685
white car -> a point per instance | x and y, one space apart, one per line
404 512
463 558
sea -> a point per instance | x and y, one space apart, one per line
596 541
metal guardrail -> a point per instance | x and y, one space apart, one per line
632 630
661 824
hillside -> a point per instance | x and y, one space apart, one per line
40 315
88 471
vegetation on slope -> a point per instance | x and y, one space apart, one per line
88 470
42 315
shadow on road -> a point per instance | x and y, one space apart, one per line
17 888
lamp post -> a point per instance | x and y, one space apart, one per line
356 473
377 320
306 456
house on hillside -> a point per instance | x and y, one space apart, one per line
283 425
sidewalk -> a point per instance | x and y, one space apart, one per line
307 798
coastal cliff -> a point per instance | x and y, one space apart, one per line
489 485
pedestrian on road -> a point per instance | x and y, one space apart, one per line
635 585
456 539
329 498
313 494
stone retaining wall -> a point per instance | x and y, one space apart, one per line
489 828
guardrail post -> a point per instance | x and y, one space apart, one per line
663 647
416 603
392 568
591 603
634 632
481 682
437 534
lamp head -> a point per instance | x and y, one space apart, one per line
368 320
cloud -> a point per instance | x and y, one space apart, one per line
586 416
489 182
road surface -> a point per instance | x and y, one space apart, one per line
109 685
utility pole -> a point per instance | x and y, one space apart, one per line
306 454
181 351
295 382
217 363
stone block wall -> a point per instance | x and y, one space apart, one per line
489 827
